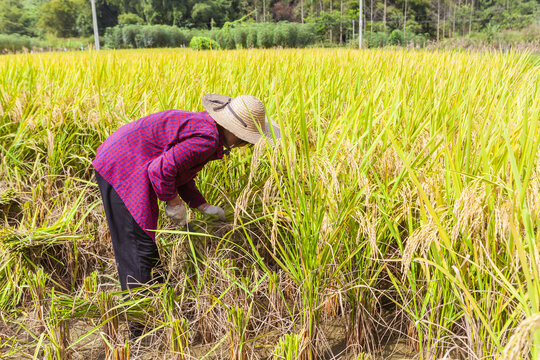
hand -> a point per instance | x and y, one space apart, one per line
213 211
177 213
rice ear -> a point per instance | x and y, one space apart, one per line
520 342
420 240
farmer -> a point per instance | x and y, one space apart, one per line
158 157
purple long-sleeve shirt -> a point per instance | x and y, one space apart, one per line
157 157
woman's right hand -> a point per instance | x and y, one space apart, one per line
176 210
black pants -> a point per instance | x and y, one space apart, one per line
135 252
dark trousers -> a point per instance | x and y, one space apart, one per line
135 252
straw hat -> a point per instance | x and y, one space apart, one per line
243 116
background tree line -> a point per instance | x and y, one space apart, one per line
333 19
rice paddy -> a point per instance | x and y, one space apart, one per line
398 217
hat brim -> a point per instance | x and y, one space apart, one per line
225 118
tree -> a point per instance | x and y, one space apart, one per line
130 19
59 17
202 13
283 11
11 17
326 24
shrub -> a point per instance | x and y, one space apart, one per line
382 38
291 31
203 43
420 40
15 42
371 39
177 37
163 36
113 38
223 38
128 35
228 39
408 38
396 38
217 37
240 37
280 35
265 37
306 35
139 40
149 36
252 37
531 33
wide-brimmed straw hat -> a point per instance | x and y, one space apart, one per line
243 116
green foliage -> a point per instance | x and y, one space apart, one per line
326 24
203 43
291 34
305 35
67 18
130 19
265 36
113 38
289 347
178 37
240 37
396 38
202 13
252 37
11 18
510 15
156 36
371 39
129 32
58 17
84 23
232 37
420 41
279 35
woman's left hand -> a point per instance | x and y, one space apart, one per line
213 210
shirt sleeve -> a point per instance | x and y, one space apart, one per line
162 171
191 194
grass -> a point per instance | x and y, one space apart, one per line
403 204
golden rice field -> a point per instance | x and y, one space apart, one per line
398 218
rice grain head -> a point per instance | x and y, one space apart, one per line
503 215
521 340
469 212
258 150
419 241
367 226
389 164
533 191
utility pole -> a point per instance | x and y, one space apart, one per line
360 23
341 23
438 18
94 19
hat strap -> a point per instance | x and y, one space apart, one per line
223 104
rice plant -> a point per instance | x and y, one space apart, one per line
400 209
